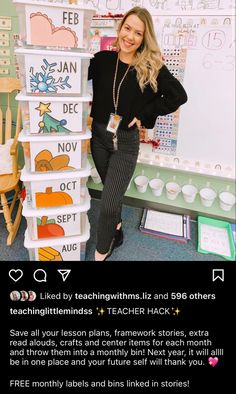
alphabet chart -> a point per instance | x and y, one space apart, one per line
155 6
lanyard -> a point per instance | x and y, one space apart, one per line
116 95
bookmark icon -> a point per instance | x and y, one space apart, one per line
218 274
64 274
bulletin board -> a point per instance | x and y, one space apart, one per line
8 38
197 39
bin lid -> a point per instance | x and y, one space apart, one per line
22 96
27 176
43 52
23 137
32 212
55 5
75 239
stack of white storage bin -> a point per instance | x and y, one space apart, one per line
53 61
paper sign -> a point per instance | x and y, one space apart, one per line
5 22
4 52
4 36
5 62
4 71
4 43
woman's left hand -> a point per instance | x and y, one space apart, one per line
137 121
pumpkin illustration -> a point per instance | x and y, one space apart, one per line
52 199
48 228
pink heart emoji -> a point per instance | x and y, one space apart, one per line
213 361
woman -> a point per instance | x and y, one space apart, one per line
131 87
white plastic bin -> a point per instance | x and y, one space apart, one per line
55 222
47 153
50 72
53 24
54 115
55 189
59 249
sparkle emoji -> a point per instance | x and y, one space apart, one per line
213 361
176 311
100 311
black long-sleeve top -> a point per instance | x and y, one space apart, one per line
146 105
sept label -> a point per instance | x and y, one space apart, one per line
63 225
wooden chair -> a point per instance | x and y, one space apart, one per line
10 182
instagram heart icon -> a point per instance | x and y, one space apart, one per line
15 274
213 361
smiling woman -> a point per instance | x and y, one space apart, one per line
131 87
130 38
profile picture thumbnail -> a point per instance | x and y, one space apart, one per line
32 295
24 295
15 295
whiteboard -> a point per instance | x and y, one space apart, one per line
207 120
205 131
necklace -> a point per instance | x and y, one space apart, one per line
115 119
116 95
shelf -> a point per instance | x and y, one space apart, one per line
149 200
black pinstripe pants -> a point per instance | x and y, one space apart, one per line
115 168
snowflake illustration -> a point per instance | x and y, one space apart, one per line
44 82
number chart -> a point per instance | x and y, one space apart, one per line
166 127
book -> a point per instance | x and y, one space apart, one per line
174 227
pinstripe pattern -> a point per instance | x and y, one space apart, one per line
115 168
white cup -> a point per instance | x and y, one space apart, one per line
156 185
172 190
141 182
208 196
227 200
95 175
189 193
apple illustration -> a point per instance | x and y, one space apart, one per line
47 229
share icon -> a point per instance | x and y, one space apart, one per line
64 274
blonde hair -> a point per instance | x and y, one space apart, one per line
148 59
